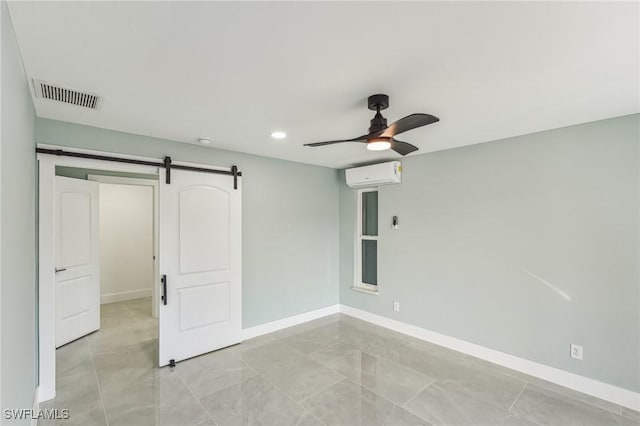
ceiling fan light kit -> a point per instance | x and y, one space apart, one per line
381 136
379 144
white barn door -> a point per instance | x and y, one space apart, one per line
200 264
77 259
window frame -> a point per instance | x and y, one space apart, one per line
358 285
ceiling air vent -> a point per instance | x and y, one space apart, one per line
68 96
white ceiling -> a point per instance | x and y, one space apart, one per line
235 72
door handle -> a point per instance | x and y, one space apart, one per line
163 280
60 270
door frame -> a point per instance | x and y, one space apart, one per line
46 244
156 244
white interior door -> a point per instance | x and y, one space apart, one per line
77 259
200 262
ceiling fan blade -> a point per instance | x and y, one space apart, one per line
362 138
408 123
402 148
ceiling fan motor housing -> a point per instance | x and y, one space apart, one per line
378 123
378 103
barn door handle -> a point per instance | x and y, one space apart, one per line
60 270
163 280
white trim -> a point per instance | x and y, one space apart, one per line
35 407
1 238
364 290
46 281
607 392
270 327
124 295
358 285
156 242
46 251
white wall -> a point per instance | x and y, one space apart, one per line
126 242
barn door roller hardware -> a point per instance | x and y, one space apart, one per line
167 166
166 163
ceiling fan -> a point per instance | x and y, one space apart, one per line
381 136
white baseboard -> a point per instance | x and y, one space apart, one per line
276 325
124 295
36 405
607 392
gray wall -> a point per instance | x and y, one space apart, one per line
290 218
18 267
478 224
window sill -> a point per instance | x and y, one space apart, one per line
365 291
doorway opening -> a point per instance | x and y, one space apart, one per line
106 232
196 286
127 247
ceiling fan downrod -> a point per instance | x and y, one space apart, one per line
378 103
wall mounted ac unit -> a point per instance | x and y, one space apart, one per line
375 175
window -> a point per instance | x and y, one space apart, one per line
366 277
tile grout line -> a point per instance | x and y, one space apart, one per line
518 397
417 393
526 381
457 406
469 393
343 378
574 398
299 404
196 398
244 365
305 410
322 347
95 373
138 321
633 412
387 359
340 341
377 393
415 345
447 396
137 325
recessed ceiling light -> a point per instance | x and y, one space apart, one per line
204 141
278 135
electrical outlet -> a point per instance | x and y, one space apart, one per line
396 306
576 352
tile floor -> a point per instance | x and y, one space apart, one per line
333 371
